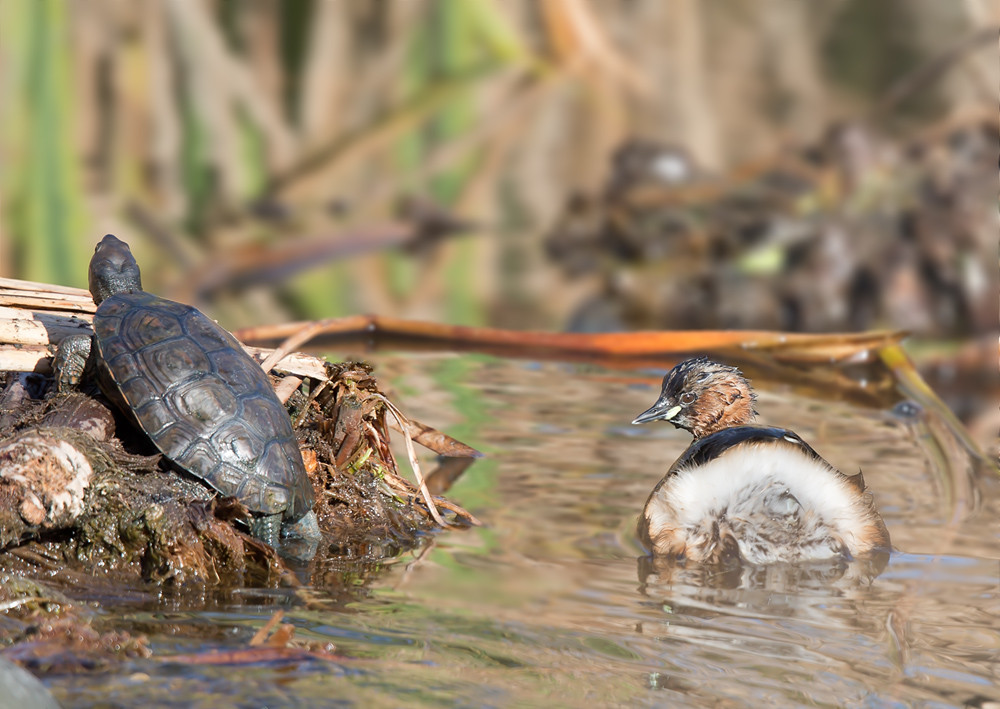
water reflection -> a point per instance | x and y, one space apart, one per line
659 575
567 591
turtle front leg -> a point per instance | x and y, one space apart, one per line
267 528
299 540
70 361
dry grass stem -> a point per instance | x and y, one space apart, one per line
414 463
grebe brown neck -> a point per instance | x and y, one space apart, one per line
703 397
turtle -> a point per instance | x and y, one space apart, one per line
189 385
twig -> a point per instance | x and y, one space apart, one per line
432 508
296 340
261 635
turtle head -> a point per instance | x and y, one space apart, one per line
113 270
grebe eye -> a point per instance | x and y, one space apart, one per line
687 397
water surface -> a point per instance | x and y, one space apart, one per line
550 604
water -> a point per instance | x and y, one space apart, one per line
549 605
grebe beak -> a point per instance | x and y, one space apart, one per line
661 411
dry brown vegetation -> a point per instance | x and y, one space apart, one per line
242 146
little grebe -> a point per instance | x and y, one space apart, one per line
742 490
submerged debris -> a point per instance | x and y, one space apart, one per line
279 646
45 631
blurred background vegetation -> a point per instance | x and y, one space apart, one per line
599 165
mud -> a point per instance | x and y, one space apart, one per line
77 497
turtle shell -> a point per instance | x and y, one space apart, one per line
204 402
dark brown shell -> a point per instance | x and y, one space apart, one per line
204 402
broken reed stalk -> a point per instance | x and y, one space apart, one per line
799 347
910 383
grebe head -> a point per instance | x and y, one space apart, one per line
703 397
